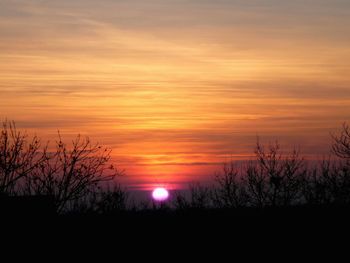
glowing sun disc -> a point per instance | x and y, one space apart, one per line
160 194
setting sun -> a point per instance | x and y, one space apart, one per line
160 194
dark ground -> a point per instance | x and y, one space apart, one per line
292 220
209 235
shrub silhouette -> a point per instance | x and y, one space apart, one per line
112 200
107 201
199 198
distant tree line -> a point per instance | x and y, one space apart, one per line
276 179
80 178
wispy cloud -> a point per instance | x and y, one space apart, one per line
174 83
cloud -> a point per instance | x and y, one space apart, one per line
173 82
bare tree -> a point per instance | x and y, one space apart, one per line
230 191
19 156
294 171
341 143
338 179
327 184
70 172
274 179
257 185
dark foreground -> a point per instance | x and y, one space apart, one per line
248 233
280 221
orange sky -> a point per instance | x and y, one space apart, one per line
177 87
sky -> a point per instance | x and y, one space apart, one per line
177 87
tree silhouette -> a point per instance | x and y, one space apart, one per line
316 184
71 172
230 190
274 179
341 143
199 197
19 157
112 200
76 178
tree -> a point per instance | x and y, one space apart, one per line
318 184
19 156
230 191
340 174
70 173
341 143
274 179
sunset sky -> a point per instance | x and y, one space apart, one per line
177 87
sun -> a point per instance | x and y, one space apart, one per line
160 194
